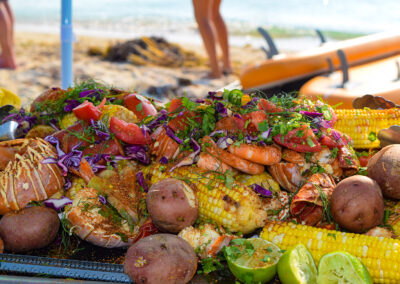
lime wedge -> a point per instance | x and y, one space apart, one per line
297 266
342 267
252 260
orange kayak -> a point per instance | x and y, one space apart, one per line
379 78
282 69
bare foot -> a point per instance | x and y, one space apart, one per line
227 71
212 75
7 64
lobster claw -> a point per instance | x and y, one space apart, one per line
145 230
307 205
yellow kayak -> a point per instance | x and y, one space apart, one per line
378 78
9 98
282 69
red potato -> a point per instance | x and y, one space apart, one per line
31 228
161 258
384 168
172 205
357 204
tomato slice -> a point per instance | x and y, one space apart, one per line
268 106
180 121
140 105
128 132
174 104
87 111
300 139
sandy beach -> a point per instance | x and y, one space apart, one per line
39 68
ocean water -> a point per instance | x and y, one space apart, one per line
174 18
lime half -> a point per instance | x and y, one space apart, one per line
297 266
252 260
342 267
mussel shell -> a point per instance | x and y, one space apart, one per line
373 102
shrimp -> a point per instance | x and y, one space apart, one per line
208 162
379 232
265 155
230 159
293 157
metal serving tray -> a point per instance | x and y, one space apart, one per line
61 268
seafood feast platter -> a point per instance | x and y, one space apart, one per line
233 188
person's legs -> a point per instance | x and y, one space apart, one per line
222 34
12 19
202 12
7 57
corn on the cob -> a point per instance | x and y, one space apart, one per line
360 123
238 208
396 228
263 179
380 255
68 120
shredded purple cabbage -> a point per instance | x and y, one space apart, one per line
159 120
145 130
64 161
141 181
171 134
336 135
266 134
163 160
321 122
251 104
200 101
238 116
221 110
93 162
311 113
100 130
225 142
53 140
138 152
261 190
262 143
71 104
102 199
96 94
315 130
193 133
248 139
215 96
71 160
67 184
25 121
325 124
189 160
216 132
57 204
